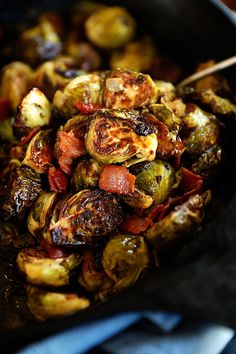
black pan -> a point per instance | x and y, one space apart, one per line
200 281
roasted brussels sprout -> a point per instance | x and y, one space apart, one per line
39 269
84 89
6 132
157 180
86 174
125 257
116 136
85 218
110 27
217 104
40 212
34 111
137 56
165 90
128 89
39 43
45 304
138 200
16 82
23 191
177 224
39 152
208 162
195 117
167 116
84 54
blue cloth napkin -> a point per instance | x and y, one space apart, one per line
192 339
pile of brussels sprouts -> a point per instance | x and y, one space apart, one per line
103 169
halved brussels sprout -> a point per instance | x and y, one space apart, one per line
39 152
128 89
116 136
34 111
110 27
125 257
92 277
85 218
39 269
45 304
195 117
157 180
177 224
138 199
167 116
23 191
16 82
85 89
86 174
40 212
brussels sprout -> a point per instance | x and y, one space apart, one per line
85 56
138 200
208 162
85 89
24 189
39 43
124 258
177 224
39 152
39 269
34 111
16 82
195 117
128 89
86 174
217 104
137 56
45 304
54 75
167 116
157 180
110 27
40 212
165 90
6 132
86 218
92 277
116 136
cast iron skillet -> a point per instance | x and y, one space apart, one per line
200 281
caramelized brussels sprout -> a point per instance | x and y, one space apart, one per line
40 212
23 191
85 218
39 152
217 104
86 174
45 304
177 224
116 136
167 116
85 89
34 111
165 90
16 82
40 43
110 27
128 89
85 56
157 180
195 117
208 162
125 257
137 56
92 277
39 269
138 199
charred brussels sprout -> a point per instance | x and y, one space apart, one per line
167 116
84 90
39 269
40 212
86 174
39 152
177 224
34 111
124 258
157 180
217 104
85 56
16 82
128 89
85 218
195 117
110 28
116 136
165 90
208 162
138 199
45 304
24 189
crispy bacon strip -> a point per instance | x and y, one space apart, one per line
135 224
87 108
26 139
116 179
190 184
57 180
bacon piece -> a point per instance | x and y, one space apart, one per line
57 180
117 179
53 251
135 224
159 211
190 184
87 108
26 139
